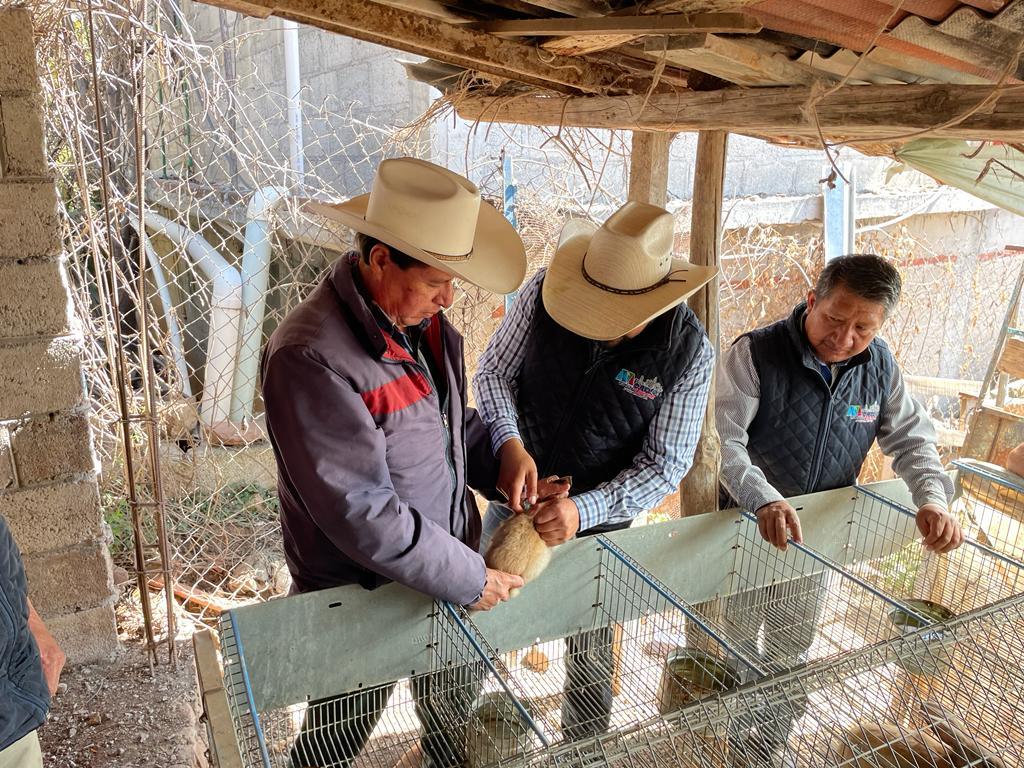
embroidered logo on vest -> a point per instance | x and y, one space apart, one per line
863 414
639 386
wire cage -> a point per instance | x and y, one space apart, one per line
865 580
857 711
479 706
991 498
855 648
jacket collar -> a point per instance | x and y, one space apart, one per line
346 282
797 335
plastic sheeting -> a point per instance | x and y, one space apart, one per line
992 171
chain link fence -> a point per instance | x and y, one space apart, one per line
228 253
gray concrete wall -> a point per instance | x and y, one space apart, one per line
48 490
340 78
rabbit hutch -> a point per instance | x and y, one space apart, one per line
855 648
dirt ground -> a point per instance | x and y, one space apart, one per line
117 715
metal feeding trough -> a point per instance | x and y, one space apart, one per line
692 642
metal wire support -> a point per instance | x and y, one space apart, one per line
992 499
248 728
146 514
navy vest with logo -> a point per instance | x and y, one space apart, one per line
585 407
806 436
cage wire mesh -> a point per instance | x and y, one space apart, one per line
465 708
872 675
862 709
481 706
992 500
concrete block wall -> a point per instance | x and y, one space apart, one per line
48 489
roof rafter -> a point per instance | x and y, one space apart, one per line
855 113
452 43
669 24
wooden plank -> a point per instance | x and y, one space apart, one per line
648 167
221 731
569 7
582 45
860 69
690 6
432 9
743 62
928 71
1011 360
669 24
699 490
452 43
862 113
994 432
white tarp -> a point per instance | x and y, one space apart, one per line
992 171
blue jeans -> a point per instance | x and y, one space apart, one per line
587 706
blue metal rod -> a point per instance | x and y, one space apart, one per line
847 575
976 544
988 476
248 692
501 680
678 605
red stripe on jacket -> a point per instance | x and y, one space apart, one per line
396 394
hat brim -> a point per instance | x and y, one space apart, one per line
498 261
593 313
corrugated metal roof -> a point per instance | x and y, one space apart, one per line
940 40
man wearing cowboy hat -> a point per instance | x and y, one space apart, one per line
799 404
366 410
601 372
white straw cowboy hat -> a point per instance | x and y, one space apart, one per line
436 217
605 281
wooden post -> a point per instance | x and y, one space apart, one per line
699 490
648 167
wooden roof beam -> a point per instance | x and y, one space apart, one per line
444 41
857 113
669 24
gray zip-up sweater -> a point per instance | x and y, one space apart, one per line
372 474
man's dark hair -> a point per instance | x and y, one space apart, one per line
365 243
870 277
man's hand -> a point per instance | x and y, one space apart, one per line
556 520
517 478
496 589
940 529
778 521
50 652
553 487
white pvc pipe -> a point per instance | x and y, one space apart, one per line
225 316
293 88
255 279
170 316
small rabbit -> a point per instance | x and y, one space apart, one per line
517 547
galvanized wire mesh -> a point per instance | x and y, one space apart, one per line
807 659
863 709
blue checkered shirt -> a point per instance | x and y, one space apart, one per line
667 452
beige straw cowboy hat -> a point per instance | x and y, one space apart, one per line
605 281
436 217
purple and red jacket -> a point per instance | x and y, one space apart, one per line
370 489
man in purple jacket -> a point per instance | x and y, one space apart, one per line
365 394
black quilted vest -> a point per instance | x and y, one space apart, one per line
584 407
807 437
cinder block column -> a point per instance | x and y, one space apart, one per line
48 490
